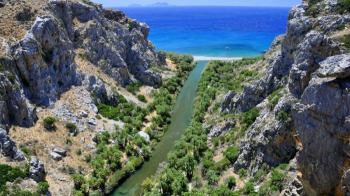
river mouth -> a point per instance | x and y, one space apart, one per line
180 119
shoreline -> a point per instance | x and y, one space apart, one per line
212 58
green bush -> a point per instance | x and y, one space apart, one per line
345 40
249 188
133 87
43 187
249 117
10 174
232 153
49 123
277 179
72 128
242 173
283 116
343 6
274 98
231 182
141 98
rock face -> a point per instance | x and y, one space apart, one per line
269 140
36 170
323 124
312 120
36 69
118 45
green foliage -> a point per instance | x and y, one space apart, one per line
343 6
49 122
248 118
274 98
345 40
72 128
231 182
43 187
10 174
248 188
141 98
134 87
283 116
277 178
242 173
232 153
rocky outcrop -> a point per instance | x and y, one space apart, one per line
37 68
99 91
311 121
45 61
8 147
322 123
221 129
269 140
118 45
36 169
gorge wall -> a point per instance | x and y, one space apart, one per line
310 122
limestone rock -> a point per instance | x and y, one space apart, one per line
55 156
335 66
322 126
144 135
36 169
226 103
269 140
221 129
60 151
8 147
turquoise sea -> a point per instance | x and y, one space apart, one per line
212 31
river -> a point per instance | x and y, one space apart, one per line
180 119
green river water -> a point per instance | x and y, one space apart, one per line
180 119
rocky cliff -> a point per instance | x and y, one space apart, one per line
310 121
58 56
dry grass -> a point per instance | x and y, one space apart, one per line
12 29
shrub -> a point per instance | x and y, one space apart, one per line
249 117
343 6
249 188
277 178
345 40
242 173
274 98
9 174
283 116
232 153
43 187
49 123
231 182
133 87
141 98
72 128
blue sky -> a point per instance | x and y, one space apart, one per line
269 3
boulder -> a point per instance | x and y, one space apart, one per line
36 169
55 156
144 135
60 151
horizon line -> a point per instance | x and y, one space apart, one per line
150 6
